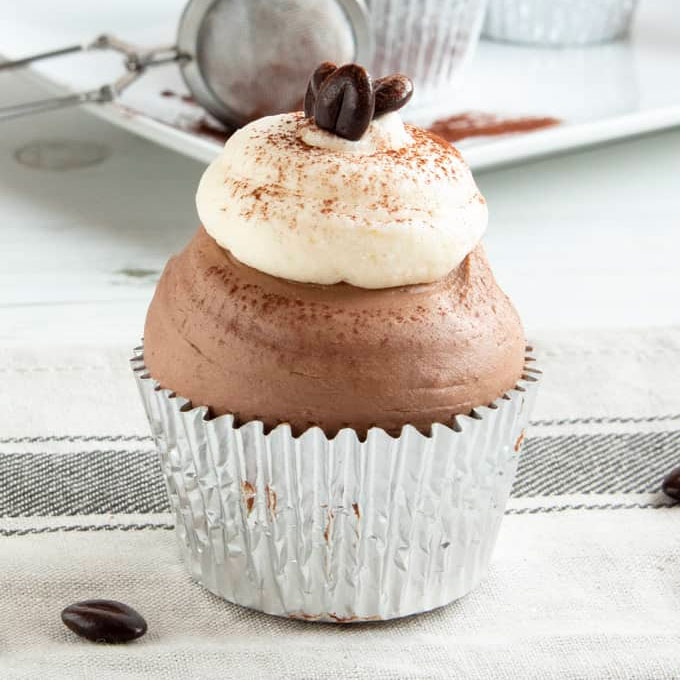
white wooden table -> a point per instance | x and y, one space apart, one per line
578 241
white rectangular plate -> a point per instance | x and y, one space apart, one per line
599 93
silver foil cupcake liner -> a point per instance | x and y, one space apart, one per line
558 22
337 529
428 40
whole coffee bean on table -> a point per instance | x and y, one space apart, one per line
671 484
104 621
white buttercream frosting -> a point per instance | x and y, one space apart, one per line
396 207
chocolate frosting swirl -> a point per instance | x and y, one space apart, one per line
240 341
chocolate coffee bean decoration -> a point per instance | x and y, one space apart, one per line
345 102
104 621
391 93
320 74
671 484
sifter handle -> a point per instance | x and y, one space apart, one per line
136 62
100 42
103 94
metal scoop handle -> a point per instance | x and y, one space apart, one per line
136 62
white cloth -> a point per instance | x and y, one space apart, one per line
573 593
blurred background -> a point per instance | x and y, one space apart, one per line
96 197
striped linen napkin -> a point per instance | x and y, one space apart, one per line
585 582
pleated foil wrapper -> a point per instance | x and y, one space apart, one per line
428 40
337 530
558 22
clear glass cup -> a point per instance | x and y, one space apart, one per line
429 41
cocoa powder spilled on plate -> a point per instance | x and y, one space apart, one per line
478 124
171 94
196 123
207 129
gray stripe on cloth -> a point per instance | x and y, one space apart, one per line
607 421
129 481
29 531
72 438
601 463
81 483
668 503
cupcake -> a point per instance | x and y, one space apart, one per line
336 385
558 22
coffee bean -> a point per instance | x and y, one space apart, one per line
345 102
671 484
391 93
104 621
320 74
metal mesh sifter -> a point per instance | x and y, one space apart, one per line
240 59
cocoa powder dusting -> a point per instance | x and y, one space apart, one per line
478 124
272 499
329 525
170 94
249 495
207 129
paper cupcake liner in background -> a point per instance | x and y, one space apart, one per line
428 40
558 22
337 529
